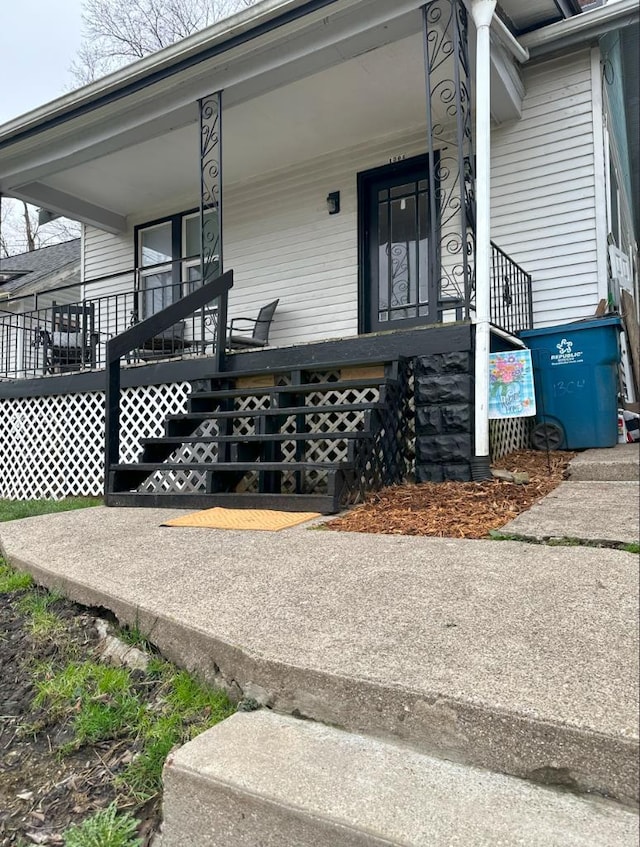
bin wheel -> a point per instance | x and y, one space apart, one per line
546 436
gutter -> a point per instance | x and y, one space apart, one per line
232 32
582 28
509 41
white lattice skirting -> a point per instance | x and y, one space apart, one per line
53 447
508 435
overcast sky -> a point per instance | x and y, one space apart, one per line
38 41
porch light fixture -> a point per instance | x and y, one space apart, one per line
333 202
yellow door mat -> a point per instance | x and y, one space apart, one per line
265 519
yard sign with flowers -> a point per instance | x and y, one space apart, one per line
511 391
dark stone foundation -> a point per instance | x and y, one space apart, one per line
444 416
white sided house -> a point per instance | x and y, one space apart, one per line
382 191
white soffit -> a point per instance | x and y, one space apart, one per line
370 96
525 15
354 80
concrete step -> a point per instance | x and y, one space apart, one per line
615 464
265 780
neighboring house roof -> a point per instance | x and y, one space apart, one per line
41 268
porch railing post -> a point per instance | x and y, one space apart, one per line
211 256
450 160
112 418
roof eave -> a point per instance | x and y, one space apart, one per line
216 39
581 29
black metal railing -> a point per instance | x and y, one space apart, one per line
511 299
67 329
138 336
64 331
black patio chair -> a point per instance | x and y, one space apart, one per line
169 342
252 332
71 343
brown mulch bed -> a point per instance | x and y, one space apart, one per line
458 509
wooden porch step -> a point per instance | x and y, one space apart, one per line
302 388
324 504
225 477
220 467
244 447
178 440
281 411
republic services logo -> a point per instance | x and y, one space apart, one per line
566 355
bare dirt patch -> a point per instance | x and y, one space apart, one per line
77 734
458 509
41 793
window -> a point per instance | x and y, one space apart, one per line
156 268
168 259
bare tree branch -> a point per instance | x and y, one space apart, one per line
116 32
20 231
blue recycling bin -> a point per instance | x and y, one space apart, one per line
575 368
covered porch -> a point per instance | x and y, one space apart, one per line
332 169
313 154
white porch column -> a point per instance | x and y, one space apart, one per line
482 13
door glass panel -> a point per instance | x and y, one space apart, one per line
423 254
383 261
191 246
191 237
399 255
401 190
157 292
155 250
403 258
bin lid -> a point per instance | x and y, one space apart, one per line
574 326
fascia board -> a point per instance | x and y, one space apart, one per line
581 29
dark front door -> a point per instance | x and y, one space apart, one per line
398 287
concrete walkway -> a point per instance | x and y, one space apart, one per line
513 657
600 502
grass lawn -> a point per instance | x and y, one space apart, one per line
12 510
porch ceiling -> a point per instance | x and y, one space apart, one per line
363 98
533 14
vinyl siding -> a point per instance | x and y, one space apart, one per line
106 254
543 189
281 243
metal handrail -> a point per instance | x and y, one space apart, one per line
24 352
134 337
511 293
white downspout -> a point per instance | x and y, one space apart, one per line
482 13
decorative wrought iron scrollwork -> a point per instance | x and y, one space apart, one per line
450 147
210 186
399 275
